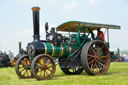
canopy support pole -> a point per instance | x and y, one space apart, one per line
108 35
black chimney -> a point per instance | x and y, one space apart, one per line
36 23
20 47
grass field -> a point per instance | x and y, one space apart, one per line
117 75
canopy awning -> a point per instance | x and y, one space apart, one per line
74 26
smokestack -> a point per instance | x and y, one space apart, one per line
19 47
36 30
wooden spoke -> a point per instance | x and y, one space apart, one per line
101 60
91 55
92 67
49 70
91 61
46 72
101 63
103 57
100 50
97 68
25 72
93 50
100 54
22 70
41 72
49 66
45 60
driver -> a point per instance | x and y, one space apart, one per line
100 35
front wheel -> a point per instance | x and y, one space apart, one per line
95 57
23 67
43 67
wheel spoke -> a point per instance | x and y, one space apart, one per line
91 61
49 70
41 72
25 72
101 60
22 70
92 67
45 60
98 66
100 54
91 55
93 50
97 69
46 72
103 57
49 66
101 63
100 50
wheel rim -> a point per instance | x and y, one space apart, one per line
43 67
23 67
97 58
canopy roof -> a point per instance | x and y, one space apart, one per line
74 26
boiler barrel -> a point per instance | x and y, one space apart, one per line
56 50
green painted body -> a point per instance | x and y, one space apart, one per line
84 34
57 49
66 49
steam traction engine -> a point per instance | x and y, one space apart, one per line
77 52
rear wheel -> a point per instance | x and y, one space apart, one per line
43 67
95 57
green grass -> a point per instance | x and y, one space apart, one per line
117 75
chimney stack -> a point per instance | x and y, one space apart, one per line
36 30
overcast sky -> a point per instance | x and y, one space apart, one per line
16 19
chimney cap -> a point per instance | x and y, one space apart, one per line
35 8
